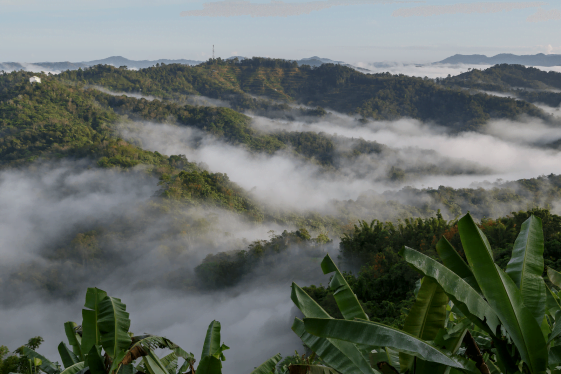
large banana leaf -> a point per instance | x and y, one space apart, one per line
554 277
212 340
526 266
503 296
376 334
46 365
346 300
339 355
67 356
76 368
113 323
332 349
95 361
454 262
465 298
74 339
90 331
426 317
268 366
210 365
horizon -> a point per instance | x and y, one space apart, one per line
351 30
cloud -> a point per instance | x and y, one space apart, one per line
480 8
542 15
272 9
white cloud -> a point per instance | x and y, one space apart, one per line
272 9
544 15
480 8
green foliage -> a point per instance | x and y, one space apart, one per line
226 269
378 96
17 362
504 77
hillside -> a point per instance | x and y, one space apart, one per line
376 96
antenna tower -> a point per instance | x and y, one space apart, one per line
213 51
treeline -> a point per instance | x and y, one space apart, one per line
377 96
506 77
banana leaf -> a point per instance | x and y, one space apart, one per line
551 303
503 296
556 330
170 362
113 323
465 298
554 356
211 346
74 369
526 266
95 361
330 347
268 366
153 364
342 356
453 261
67 356
46 365
74 339
346 300
90 331
426 317
210 365
554 277
376 334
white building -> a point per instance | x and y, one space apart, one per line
34 80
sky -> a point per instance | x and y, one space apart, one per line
349 30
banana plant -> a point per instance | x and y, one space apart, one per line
513 310
103 344
358 345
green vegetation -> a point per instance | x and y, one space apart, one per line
466 316
102 344
505 77
377 96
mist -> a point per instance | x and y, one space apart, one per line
149 262
432 71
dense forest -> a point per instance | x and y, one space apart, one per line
377 96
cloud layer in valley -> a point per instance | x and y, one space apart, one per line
148 258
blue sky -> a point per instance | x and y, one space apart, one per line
349 30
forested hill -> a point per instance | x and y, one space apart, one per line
505 77
527 83
378 96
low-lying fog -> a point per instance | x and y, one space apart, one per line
507 150
44 206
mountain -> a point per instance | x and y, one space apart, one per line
122 61
113 60
341 88
539 59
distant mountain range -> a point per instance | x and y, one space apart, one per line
114 60
133 64
539 59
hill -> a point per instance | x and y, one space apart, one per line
527 83
539 59
377 96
